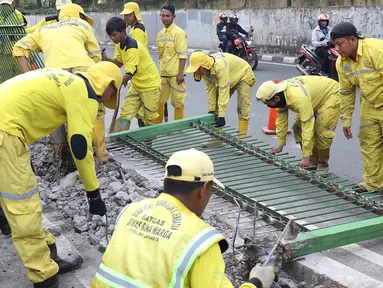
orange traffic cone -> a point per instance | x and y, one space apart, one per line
271 125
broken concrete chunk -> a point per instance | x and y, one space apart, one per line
115 186
69 180
122 198
80 223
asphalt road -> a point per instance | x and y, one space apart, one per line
345 158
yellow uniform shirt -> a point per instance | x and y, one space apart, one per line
227 71
138 62
306 96
138 32
155 225
366 73
66 44
172 47
34 104
46 21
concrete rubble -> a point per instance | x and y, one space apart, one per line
120 187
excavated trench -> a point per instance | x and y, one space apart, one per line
119 187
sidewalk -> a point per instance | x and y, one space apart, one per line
261 57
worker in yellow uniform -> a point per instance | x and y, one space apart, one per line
132 17
20 17
140 69
172 48
49 19
224 74
69 44
360 65
316 101
163 242
32 105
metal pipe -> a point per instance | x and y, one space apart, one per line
297 206
328 213
263 179
319 208
289 196
247 173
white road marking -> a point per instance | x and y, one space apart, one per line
274 63
364 253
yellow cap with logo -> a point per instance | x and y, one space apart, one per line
131 7
268 90
72 10
196 166
100 75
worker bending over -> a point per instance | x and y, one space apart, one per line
163 242
224 74
139 67
361 65
69 44
172 49
316 101
32 105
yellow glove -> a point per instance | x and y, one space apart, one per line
264 274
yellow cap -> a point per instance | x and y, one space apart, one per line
131 7
268 90
72 10
196 166
60 3
9 2
199 59
100 75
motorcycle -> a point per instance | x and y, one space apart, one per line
310 63
244 49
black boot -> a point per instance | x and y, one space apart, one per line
52 282
64 266
4 226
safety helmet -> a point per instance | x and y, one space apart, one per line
222 17
323 17
233 18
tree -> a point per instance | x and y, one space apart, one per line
39 4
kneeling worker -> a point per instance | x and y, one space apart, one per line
316 101
139 67
163 242
32 105
224 74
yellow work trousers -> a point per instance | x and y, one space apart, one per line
20 201
136 100
244 91
371 145
326 120
170 88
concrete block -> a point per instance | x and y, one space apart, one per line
289 60
267 58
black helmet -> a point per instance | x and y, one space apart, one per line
233 19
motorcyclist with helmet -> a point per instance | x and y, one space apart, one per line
233 28
221 30
321 41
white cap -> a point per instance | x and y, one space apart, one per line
61 3
9 2
196 166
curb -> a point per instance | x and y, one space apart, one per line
261 57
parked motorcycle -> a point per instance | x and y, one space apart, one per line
244 48
310 63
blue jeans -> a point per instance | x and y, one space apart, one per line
223 39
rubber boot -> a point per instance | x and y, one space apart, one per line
314 160
161 111
140 123
243 126
178 113
324 157
122 124
52 282
99 141
166 114
64 265
4 226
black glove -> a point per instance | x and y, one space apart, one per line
96 205
220 122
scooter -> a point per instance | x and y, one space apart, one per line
310 63
244 48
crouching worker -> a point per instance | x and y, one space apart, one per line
163 242
316 101
32 105
140 69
